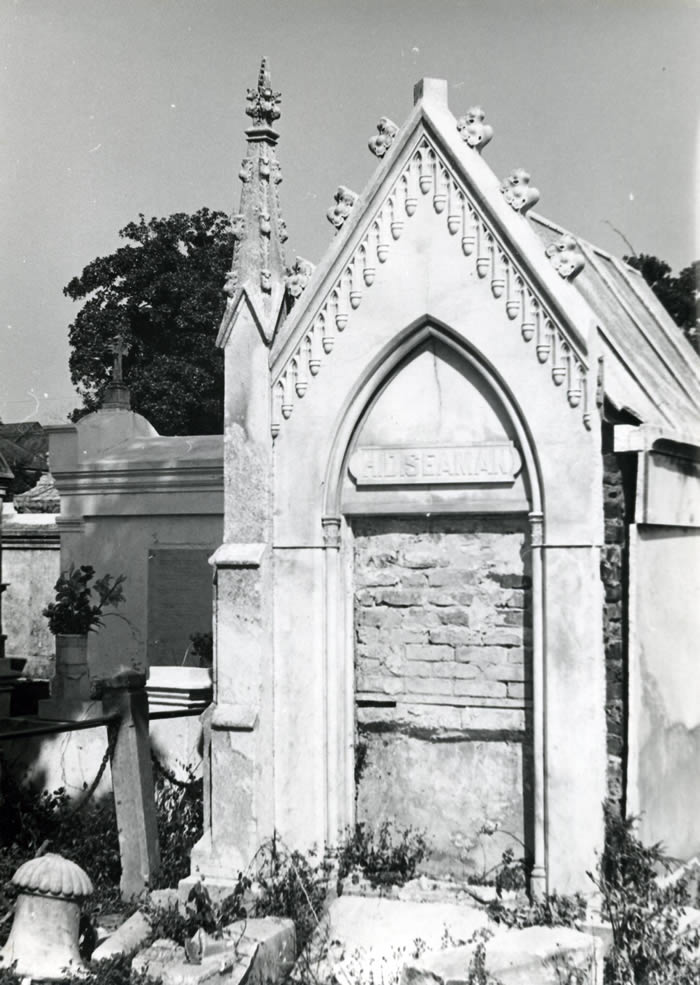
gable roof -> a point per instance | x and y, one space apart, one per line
650 371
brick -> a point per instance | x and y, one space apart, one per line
454 635
483 654
429 651
480 689
376 579
368 634
379 618
454 617
429 668
428 685
509 580
514 618
419 557
504 672
455 597
398 597
515 599
364 597
502 637
452 578
381 683
516 690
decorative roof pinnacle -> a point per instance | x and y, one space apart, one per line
259 232
263 102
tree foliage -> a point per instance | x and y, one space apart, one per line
678 295
162 292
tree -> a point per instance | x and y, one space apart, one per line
678 295
162 294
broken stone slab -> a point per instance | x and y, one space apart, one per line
532 956
126 939
259 952
363 937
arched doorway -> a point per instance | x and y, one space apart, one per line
435 500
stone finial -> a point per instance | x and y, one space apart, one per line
517 191
263 101
472 128
386 131
344 201
566 256
53 875
298 277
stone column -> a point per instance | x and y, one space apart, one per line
538 877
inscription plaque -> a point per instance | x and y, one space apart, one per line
482 462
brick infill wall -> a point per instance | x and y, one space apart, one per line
441 620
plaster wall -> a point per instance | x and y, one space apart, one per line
124 545
664 743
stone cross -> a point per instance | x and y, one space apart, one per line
119 348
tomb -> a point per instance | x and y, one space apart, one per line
460 456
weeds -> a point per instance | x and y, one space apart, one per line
648 948
384 857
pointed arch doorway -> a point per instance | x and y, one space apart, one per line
431 681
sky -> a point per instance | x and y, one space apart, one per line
110 108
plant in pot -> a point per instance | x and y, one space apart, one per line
78 609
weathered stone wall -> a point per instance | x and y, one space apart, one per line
442 681
614 574
31 565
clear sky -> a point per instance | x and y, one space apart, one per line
115 107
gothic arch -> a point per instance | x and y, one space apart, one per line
338 637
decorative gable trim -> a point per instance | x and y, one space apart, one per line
425 171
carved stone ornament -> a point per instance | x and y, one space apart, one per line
517 191
265 227
386 131
230 283
246 171
263 102
266 280
566 256
472 128
298 277
238 226
344 201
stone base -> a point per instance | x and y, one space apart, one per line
219 865
257 952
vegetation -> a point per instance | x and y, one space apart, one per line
74 611
678 295
385 857
162 296
645 916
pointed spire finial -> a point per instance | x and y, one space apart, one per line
263 102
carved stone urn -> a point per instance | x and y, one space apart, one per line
44 936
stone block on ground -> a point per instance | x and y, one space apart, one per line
364 937
257 952
533 956
126 939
